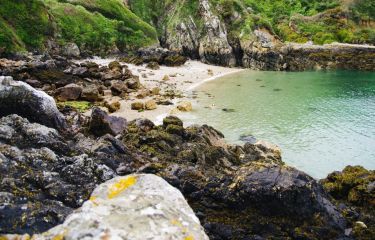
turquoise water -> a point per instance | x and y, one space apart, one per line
323 121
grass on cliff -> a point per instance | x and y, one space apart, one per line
24 24
94 25
116 10
322 22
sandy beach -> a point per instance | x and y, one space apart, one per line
182 81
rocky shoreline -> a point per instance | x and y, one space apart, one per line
52 159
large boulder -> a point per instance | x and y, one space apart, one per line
71 50
91 93
134 207
20 98
101 123
69 92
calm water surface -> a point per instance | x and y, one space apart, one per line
323 121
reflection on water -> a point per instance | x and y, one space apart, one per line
323 121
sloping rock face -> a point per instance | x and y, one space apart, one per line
207 42
133 207
214 47
21 98
185 39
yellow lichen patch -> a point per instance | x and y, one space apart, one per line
93 198
58 237
176 222
120 186
189 238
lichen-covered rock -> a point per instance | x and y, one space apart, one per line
43 176
113 104
137 106
20 98
185 106
354 191
132 207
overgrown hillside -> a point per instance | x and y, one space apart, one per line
320 21
94 25
98 26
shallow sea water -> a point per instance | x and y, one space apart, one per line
323 120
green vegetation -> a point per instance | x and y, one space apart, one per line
94 25
81 106
102 26
322 22
24 23
137 32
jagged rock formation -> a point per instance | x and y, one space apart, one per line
214 47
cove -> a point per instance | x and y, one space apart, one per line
322 120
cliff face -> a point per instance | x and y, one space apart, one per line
249 33
253 35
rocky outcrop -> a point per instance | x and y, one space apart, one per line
354 191
265 53
133 207
43 176
333 56
235 191
156 55
214 47
185 39
20 98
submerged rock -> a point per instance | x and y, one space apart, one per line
20 98
133 207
